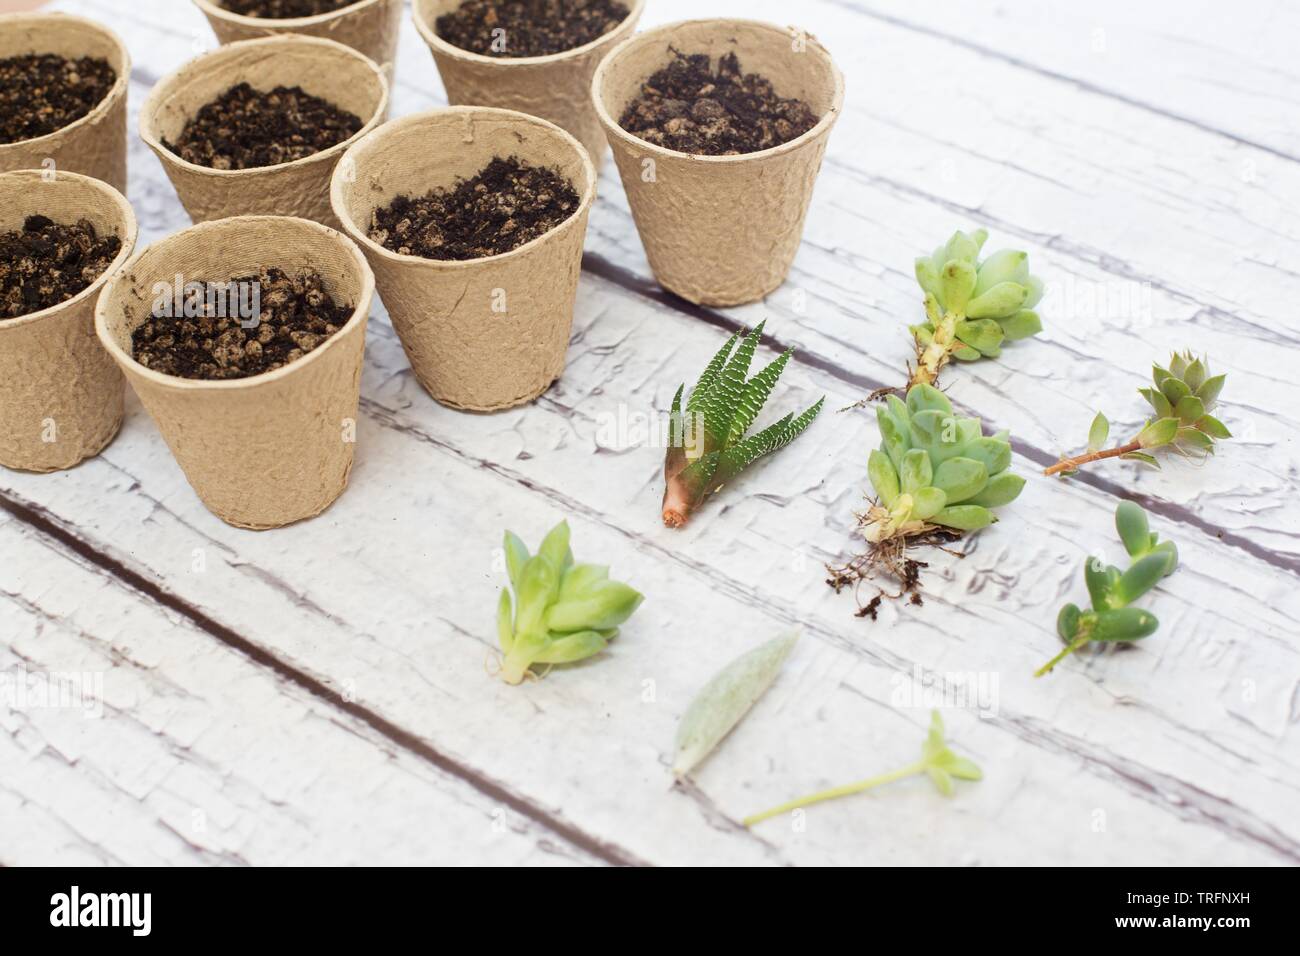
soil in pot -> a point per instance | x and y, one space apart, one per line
517 28
245 128
42 93
250 325
284 9
503 206
690 107
47 263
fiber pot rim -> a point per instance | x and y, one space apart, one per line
149 108
430 35
360 311
362 234
118 89
612 127
288 23
132 233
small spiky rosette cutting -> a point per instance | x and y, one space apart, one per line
935 470
1184 395
972 307
707 443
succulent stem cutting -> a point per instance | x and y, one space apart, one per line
562 612
938 762
1183 397
972 307
1112 592
707 444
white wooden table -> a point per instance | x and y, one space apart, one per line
318 695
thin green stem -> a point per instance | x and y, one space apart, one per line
1070 648
834 792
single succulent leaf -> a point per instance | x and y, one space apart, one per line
1213 427
957 281
923 334
1067 622
964 517
960 479
1156 399
1209 391
1170 551
720 408
710 375
898 411
571 648
1005 265
771 439
1035 286
927 274
755 395
1189 409
1193 439
555 546
1195 375
962 768
892 437
505 622
605 605
941 779
1024 324
1134 530
1100 579
983 334
927 502
1162 431
964 246
1003 300
1144 458
725 699
581 579
1144 574
516 556
1158 375
1002 489
965 353
1178 365
995 453
1124 624
538 583
955 436
1175 389
1098 433
916 472
927 429
922 397
883 477
993 351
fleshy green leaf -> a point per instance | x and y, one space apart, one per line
1002 301
505 622
1024 324
1098 433
1157 433
964 517
957 281
927 502
983 334
1124 624
755 394
916 472
924 397
1213 427
960 478
1001 490
516 555
1134 530
883 477
1145 574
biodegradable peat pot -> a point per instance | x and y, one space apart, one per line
301 188
274 448
94 145
60 393
370 26
555 87
720 230
464 351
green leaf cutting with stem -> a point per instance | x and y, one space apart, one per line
938 762
1111 618
972 307
1184 395
708 444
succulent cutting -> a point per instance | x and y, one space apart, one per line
1111 618
935 470
1184 395
707 443
937 762
562 612
972 307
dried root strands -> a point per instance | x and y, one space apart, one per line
1184 395
972 307
562 612
935 470
937 762
707 446
1112 592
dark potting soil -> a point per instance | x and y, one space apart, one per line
514 28
42 93
218 334
46 263
284 9
507 204
690 108
245 128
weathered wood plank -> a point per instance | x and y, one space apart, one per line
173 749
